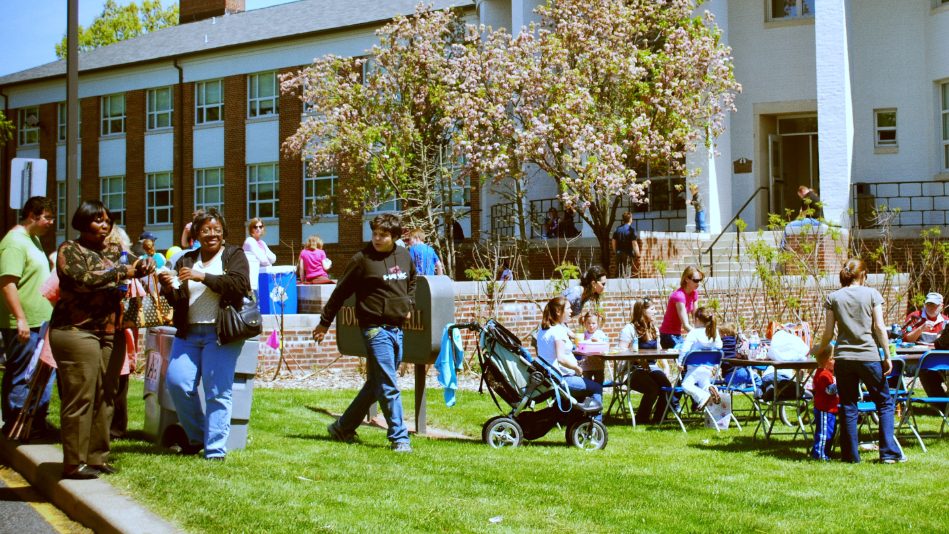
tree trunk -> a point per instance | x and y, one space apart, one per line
606 254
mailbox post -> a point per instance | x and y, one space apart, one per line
422 334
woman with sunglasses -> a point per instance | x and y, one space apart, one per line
681 306
257 251
591 287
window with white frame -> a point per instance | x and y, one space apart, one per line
262 94
112 194
790 9
61 121
209 188
208 102
263 190
319 194
60 206
158 198
944 90
160 106
113 114
884 125
28 126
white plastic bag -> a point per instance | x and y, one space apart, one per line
786 347
719 415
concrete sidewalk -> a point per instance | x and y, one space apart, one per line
94 503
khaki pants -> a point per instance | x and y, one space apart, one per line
87 381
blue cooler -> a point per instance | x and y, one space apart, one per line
270 277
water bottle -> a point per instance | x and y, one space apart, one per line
124 261
754 343
635 344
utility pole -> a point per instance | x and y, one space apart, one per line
72 114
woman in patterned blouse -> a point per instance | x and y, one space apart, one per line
82 333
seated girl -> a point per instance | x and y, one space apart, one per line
698 378
556 348
313 262
593 367
648 378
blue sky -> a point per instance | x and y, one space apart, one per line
32 28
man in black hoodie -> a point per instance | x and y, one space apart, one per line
382 276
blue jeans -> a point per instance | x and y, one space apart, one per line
383 356
199 356
17 376
849 375
825 427
668 341
581 388
701 225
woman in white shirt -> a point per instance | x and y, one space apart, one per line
556 348
258 253
698 378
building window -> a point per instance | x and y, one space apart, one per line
884 124
262 94
158 201
945 126
319 194
60 206
263 190
160 106
61 122
113 114
208 102
112 194
790 9
209 188
28 126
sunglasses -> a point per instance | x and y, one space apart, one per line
697 280
258 226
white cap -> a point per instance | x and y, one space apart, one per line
934 298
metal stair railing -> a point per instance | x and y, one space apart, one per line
711 248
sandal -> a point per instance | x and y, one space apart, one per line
715 397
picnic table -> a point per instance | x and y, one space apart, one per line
768 417
621 387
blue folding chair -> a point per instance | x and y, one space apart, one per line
710 358
867 409
742 380
934 360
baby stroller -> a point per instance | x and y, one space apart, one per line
535 392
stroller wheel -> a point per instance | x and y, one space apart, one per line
502 432
588 435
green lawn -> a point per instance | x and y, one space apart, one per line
291 478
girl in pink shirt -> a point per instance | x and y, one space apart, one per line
312 258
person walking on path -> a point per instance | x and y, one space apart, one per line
382 276
855 313
625 244
212 277
24 267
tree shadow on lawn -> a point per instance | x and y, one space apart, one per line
795 450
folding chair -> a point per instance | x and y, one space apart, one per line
745 388
934 360
867 409
710 358
622 393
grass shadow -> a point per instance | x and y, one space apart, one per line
785 450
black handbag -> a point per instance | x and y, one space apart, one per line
238 325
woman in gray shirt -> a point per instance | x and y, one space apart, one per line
856 312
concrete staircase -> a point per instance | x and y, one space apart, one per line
725 259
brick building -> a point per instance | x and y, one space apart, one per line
850 98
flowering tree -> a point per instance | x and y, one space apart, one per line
595 94
384 123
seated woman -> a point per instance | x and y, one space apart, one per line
555 347
648 378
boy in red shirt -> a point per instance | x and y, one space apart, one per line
825 407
